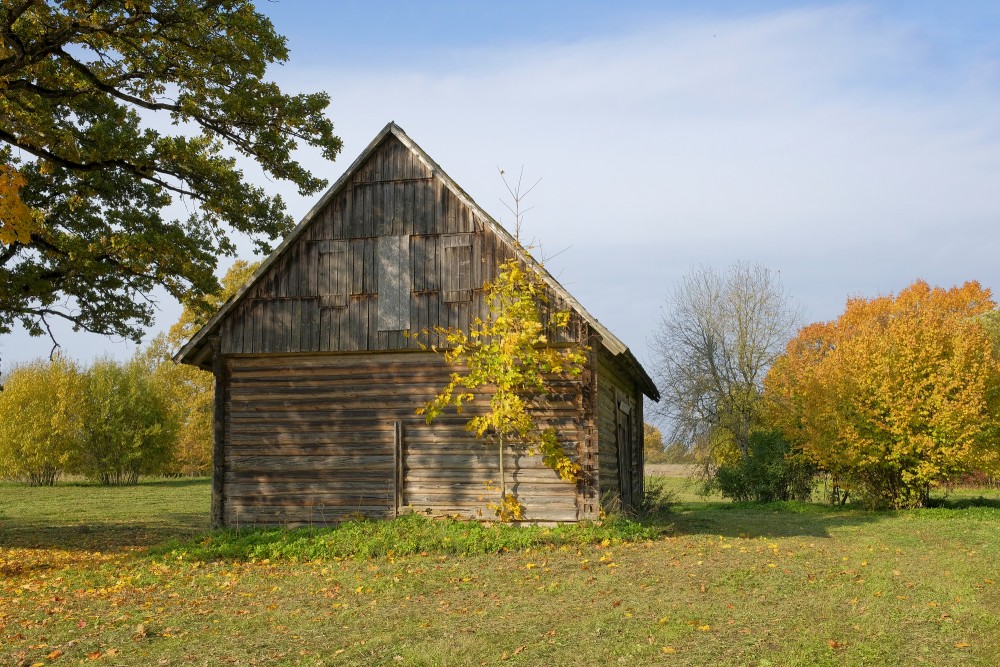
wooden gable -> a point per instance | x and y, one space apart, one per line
394 246
395 250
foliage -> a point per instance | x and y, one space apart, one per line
39 420
894 396
654 451
188 396
714 343
128 429
508 356
652 444
17 221
42 432
770 472
110 114
189 391
199 309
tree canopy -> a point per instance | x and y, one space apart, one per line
895 395
120 126
717 337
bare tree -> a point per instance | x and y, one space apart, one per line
717 336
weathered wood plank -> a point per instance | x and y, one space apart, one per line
359 462
253 477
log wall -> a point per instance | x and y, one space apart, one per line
318 438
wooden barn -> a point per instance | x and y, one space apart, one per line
317 386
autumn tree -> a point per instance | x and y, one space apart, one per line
127 428
40 420
111 114
189 391
652 444
507 359
895 396
716 338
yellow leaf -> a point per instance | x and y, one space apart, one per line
17 220
668 649
961 645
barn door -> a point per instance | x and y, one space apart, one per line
623 436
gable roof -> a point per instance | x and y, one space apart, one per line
197 350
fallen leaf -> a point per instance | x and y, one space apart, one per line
519 649
835 644
55 654
667 649
95 655
962 645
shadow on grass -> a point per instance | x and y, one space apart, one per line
104 536
767 520
965 503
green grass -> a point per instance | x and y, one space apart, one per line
131 575
104 518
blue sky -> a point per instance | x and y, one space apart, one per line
853 147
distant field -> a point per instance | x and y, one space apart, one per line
671 470
781 584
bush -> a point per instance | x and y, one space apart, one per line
39 421
769 472
128 429
190 398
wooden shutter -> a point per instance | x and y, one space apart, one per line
333 278
456 267
393 283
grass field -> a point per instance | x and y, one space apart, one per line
86 578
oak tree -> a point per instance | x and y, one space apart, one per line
121 126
